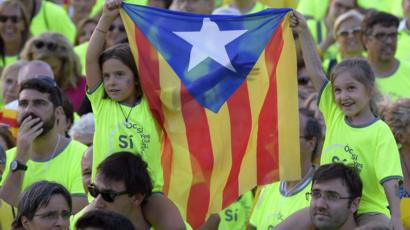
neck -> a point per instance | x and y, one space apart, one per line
12 47
243 5
138 220
349 224
306 166
384 68
364 118
44 146
352 54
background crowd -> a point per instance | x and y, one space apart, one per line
69 81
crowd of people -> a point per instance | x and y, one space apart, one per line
73 116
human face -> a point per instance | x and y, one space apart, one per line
122 204
9 82
197 6
351 96
119 82
86 167
306 144
327 213
116 33
11 23
381 44
304 82
83 7
36 104
85 34
56 215
348 37
338 7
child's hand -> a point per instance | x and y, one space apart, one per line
297 21
111 9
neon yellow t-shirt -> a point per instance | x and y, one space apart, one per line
139 136
81 51
274 206
236 215
403 46
6 215
396 85
53 18
64 168
371 149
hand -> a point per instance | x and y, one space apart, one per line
29 130
396 223
111 9
297 22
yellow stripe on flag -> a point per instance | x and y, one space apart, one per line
221 146
289 152
258 84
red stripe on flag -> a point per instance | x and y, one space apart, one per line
148 67
150 80
268 144
200 147
241 125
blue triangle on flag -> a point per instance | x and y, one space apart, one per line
212 79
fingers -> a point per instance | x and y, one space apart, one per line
113 4
31 125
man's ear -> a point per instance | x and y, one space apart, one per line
138 198
24 222
354 205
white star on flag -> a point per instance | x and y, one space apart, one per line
210 42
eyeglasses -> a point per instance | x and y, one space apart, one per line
384 36
51 46
4 19
54 215
328 196
120 28
108 196
303 80
345 33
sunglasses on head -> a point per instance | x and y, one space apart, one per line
51 46
120 28
108 196
4 19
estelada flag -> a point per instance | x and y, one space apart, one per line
224 91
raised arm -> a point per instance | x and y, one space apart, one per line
97 43
310 56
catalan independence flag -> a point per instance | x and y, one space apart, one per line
223 88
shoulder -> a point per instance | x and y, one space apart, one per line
74 149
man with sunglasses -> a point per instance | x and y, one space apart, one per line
122 185
380 35
41 152
334 200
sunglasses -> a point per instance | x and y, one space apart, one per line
4 18
108 196
120 28
346 33
51 46
303 80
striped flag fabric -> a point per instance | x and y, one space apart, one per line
224 91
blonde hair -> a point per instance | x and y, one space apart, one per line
362 72
71 67
397 115
13 66
351 14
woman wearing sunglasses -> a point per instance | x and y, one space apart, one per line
43 206
57 51
347 34
14 31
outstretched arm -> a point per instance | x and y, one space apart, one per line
97 43
310 56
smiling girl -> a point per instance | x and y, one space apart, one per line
354 134
123 121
